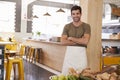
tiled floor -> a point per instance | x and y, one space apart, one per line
33 72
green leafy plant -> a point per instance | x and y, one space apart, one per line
38 33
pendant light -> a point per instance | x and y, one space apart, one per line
46 14
32 17
35 16
60 10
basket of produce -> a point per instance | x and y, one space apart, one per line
88 74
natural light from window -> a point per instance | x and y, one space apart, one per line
50 25
7 16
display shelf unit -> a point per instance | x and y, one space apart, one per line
111 58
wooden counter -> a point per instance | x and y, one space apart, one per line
59 56
53 53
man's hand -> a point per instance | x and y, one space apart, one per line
66 41
84 40
70 38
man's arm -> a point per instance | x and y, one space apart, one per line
84 40
64 40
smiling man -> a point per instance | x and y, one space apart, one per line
77 32
76 36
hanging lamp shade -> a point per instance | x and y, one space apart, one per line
60 10
32 17
35 16
46 14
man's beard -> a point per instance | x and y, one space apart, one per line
76 19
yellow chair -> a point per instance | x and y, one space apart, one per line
13 50
34 54
13 53
11 46
11 61
37 55
30 54
5 64
9 52
21 51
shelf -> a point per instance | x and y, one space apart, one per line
110 42
110 58
110 55
110 39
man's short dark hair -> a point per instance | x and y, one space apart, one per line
75 7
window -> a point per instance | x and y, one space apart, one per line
50 25
7 16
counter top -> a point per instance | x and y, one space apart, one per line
111 55
4 43
53 42
110 42
110 39
49 42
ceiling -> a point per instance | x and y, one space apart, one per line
65 1
116 2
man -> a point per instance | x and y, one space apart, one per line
76 35
76 32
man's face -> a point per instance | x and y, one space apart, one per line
76 15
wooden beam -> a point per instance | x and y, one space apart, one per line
92 14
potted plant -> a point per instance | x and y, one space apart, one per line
38 33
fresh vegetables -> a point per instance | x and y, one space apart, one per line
88 74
